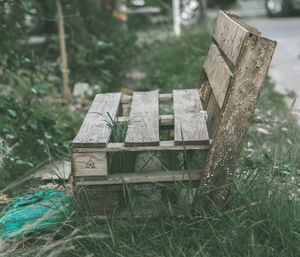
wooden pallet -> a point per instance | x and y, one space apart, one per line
92 143
231 80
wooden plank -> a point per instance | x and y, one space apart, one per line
148 177
229 36
218 73
165 97
83 164
163 145
189 120
204 89
94 131
213 113
162 98
144 120
164 120
235 121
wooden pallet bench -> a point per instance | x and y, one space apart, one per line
91 147
213 119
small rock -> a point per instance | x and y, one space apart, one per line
59 170
81 89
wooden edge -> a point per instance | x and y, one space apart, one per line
149 177
92 145
162 98
246 26
163 145
165 120
234 18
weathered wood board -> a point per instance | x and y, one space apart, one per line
89 164
189 119
143 129
234 121
148 177
213 113
163 146
218 73
229 36
94 131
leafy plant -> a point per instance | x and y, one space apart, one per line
33 131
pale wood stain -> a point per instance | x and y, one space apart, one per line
148 177
230 36
218 73
143 129
85 164
189 119
94 131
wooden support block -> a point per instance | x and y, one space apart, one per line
89 164
147 177
189 125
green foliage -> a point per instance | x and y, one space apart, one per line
101 60
174 62
33 131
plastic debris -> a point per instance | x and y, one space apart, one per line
33 211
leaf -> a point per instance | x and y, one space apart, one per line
10 136
12 112
103 44
285 172
41 142
19 162
33 90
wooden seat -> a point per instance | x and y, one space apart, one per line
91 145
214 118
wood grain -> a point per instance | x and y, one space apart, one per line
143 129
235 121
85 164
148 177
164 120
94 131
214 115
204 89
218 73
189 120
229 36
162 98
163 145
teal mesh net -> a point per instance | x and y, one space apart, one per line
33 211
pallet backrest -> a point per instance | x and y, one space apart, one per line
232 77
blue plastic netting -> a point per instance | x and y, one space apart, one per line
34 210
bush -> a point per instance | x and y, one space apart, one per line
33 131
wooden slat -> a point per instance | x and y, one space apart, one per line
204 89
218 73
213 113
163 145
94 131
229 36
189 120
162 98
164 120
149 177
144 120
